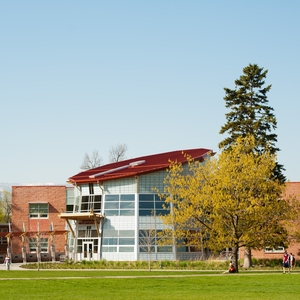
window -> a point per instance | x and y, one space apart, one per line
118 239
70 197
33 244
149 239
119 205
151 204
274 250
91 203
3 240
38 210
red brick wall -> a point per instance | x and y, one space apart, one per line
21 196
293 189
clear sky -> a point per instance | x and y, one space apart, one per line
76 76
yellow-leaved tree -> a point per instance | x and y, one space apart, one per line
227 202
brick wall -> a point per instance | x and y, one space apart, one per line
21 196
292 190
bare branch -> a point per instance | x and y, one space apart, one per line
117 153
91 161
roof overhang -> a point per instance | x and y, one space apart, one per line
80 216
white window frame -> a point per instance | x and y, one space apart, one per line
41 213
44 244
278 249
3 240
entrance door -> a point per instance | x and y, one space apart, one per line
87 250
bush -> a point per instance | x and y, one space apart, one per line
166 264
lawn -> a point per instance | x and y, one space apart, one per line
183 285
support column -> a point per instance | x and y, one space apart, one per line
9 253
24 255
67 251
52 250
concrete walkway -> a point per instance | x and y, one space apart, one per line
13 266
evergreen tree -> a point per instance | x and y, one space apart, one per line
250 114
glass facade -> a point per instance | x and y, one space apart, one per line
149 241
152 205
119 205
118 241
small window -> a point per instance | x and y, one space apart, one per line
274 250
38 210
3 240
43 244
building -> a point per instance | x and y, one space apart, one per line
36 233
114 207
105 213
292 190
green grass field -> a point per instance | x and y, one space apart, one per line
74 284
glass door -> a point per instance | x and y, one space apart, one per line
87 250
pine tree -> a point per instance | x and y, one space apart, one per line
250 114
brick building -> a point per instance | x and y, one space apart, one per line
292 190
35 223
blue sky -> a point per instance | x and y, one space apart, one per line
76 76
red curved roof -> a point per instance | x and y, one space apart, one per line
137 166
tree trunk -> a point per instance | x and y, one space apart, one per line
235 259
202 246
247 258
149 261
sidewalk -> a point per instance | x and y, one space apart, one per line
13 266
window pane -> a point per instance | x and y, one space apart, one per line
157 198
164 249
126 241
97 207
126 249
146 197
147 249
161 205
146 212
162 212
129 197
126 233
111 212
126 212
84 207
109 249
127 205
85 199
98 198
110 241
110 233
146 205
70 208
111 197
81 233
70 192
111 205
